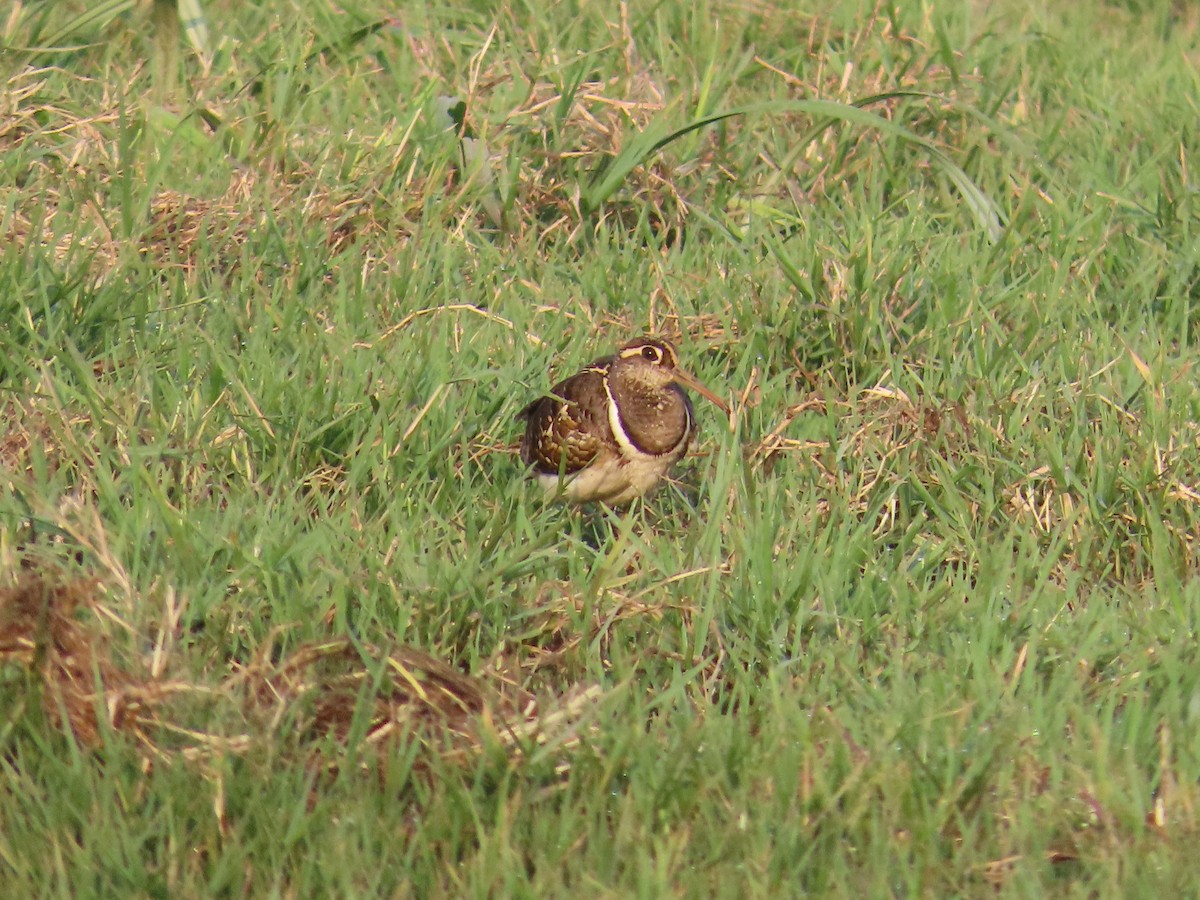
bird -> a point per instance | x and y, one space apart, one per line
611 431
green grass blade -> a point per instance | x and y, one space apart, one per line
94 17
195 26
659 134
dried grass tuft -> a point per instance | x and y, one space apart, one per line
311 700
317 689
44 627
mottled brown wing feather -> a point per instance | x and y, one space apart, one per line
568 430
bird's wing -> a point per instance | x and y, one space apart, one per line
568 429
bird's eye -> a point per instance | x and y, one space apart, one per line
651 354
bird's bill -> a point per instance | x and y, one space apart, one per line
689 380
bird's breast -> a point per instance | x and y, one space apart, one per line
652 422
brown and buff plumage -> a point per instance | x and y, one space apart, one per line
610 432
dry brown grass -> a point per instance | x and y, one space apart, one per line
44 627
310 699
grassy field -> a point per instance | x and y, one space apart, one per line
280 614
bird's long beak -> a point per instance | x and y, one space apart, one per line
689 380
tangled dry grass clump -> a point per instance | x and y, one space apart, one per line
318 690
41 629
311 699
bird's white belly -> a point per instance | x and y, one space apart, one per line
610 480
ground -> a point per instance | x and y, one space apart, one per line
280 613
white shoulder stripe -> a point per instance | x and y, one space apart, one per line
628 448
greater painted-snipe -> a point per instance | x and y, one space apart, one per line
610 432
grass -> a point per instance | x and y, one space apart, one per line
279 614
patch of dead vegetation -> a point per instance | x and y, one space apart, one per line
310 698
42 628
316 692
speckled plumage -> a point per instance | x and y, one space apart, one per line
610 432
